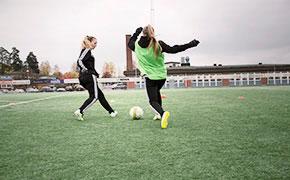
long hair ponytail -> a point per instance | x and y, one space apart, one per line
149 32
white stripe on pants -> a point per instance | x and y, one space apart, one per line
95 91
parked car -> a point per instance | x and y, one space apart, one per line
119 86
4 90
79 88
46 89
53 88
32 90
69 88
19 91
60 90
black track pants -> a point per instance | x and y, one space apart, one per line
153 91
89 82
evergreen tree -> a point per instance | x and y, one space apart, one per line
5 61
32 63
16 64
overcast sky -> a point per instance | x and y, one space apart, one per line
230 31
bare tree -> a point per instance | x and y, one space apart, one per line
45 68
56 72
109 70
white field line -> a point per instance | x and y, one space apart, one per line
28 102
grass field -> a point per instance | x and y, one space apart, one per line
213 134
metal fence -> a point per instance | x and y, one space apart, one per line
220 80
195 81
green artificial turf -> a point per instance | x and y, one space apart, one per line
218 133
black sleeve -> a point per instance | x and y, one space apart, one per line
132 41
174 49
87 56
91 64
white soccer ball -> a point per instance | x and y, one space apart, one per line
136 113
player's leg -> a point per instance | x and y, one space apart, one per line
166 114
160 84
105 103
152 92
91 86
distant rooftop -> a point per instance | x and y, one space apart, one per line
222 69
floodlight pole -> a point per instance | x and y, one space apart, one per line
152 11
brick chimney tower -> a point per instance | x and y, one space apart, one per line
129 54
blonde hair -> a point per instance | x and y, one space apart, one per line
149 32
87 42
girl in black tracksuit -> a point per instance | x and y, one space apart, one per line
88 79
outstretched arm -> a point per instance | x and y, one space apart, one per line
133 39
177 48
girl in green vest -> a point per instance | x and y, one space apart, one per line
149 53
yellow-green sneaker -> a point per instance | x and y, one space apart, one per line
164 120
